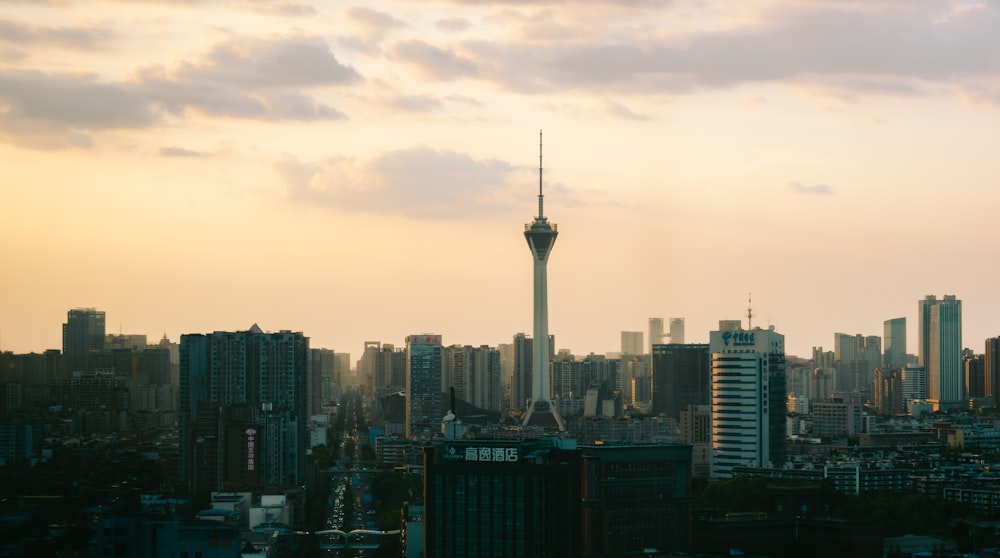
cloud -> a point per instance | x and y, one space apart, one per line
817 189
180 152
453 24
71 101
887 49
278 62
22 35
420 183
375 24
433 62
415 103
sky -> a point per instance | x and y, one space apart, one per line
363 170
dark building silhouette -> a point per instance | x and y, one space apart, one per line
82 335
681 377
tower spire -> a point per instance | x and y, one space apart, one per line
540 196
749 311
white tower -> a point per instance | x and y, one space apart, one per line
541 236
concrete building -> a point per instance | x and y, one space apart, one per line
676 333
632 343
748 399
656 334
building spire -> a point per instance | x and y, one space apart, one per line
541 215
749 311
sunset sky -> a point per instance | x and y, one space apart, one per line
364 170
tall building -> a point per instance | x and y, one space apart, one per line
856 357
423 385
82 335
541 236
677 331
243 408
656 334
498 498
474 373
940 339
748 399
681 377
975 377
520 382
894 342
914 384
632 343
991 368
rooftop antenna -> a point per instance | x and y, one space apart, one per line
540 214
749 312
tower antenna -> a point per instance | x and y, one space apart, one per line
749 311
540 214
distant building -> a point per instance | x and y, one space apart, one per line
243 408
914 383
940 338
656 334
696 429
748 399
632 343
82 335
991 368
837 417
894 343
423 385
681 377
676 333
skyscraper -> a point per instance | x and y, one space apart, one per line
676 330
243 408
541 236
940 339
894 342
655 332
423 385
991 368
681 377
748 399
82 336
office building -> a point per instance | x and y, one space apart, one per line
894 342
541 236
423 385
681 377
836 417
696 429
914 384
974 372
243 408
748 399
940 337
501 498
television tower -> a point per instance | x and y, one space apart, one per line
541 236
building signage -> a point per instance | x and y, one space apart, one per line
486 454
738 338
251 446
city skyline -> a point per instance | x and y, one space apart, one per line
363 172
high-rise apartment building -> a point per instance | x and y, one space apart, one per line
676 331
894 342
474 373
857 357
632 343
940 339
243 408
681 377
424 355
748 399
914 384
975 377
